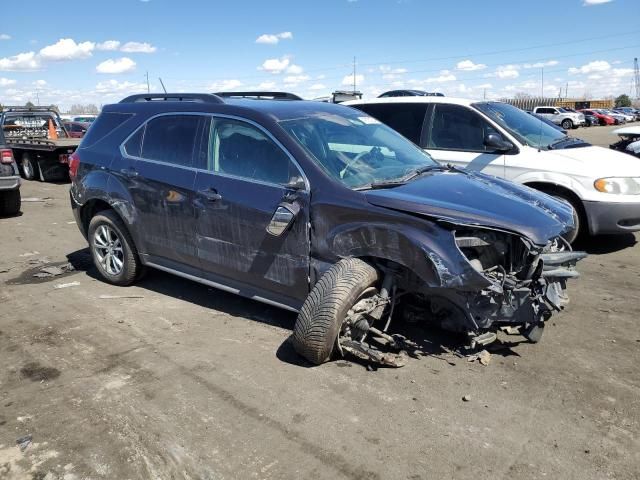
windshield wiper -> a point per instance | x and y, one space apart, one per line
561 140
412 175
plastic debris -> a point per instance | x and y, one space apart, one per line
35 199
466 398
484 357
66 285
24 442
53 271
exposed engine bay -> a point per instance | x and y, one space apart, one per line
525 286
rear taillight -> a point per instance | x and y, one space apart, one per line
6 156
74 163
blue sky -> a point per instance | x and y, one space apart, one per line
97 52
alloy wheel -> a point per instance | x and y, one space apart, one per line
108 249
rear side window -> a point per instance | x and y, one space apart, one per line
171 139
134 144
405 118
103 126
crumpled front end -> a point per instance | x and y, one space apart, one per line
526 285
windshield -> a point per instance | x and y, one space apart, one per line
357 150
528 129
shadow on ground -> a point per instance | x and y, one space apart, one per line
603 244
426 340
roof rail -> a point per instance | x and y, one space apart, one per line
260 95
22 108
173 97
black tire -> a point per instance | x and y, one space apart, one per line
578 216
28 167
320 319
10 202
567 124
131 266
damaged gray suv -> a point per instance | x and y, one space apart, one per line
320 209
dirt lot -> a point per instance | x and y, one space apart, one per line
601 136
189 382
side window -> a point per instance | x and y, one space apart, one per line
405 118
455 127
171 139
240 149
134 144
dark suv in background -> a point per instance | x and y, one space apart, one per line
320 209
9 181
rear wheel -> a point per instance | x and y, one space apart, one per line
325 309
9 202
112 248
28 166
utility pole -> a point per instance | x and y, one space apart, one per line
37 98
566 91
484 94
636 76
354 74
147 75
542 82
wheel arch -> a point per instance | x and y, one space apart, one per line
551 188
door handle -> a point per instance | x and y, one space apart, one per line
129 172
210 194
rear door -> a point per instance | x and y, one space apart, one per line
239 199
161 180
405 118
455 134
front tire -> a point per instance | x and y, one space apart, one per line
323 312
10 203
112 249
571 237
567 124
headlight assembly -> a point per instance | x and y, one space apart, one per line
620 186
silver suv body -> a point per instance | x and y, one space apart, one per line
562 117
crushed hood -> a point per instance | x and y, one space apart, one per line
470 198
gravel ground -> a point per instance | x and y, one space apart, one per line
601 136
187 382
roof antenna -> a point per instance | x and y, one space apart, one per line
543 102
161 83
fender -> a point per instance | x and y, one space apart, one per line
430 251
554 179
106 187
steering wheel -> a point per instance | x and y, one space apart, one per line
374 152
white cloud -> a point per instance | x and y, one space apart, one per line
595 66
273 38
469 66
549 63
138 47
293 80
445 76
109 45
114 66
4 36
275 65
295 69
505 71
266 85
40 83
390 74
22 61
317 86
5 82
348 80
588 3
113 87
67 49
224 85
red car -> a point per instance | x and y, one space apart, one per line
602 118
76 129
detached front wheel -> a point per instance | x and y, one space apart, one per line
325 309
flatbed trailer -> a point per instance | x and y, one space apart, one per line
38 157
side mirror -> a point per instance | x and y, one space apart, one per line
296 183
497 143
555 113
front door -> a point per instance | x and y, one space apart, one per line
239 241
455 134
161 185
